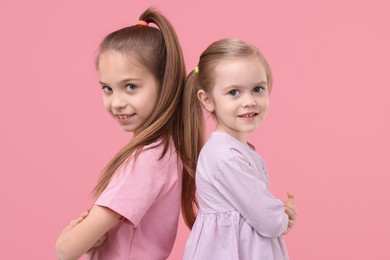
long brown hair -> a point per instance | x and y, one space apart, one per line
160 51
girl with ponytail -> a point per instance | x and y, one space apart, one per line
239 218
138 196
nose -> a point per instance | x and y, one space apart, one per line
118 102
248 100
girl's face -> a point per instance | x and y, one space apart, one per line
239 97
129 89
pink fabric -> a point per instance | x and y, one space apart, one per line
147 194
239 218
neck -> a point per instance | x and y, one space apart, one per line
241 137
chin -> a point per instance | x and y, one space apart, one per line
249 130
127 129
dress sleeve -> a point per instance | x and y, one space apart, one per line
135 187
237 181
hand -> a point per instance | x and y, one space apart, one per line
75 222
79 219
289 208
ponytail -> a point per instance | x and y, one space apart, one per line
194 132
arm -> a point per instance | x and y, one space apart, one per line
78 237
238 183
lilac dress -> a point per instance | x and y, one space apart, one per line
238 218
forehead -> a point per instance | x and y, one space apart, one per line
243 71
117 58
114 64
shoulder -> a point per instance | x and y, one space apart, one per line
157 154
149 164
150 159
220 147
153 150
222 152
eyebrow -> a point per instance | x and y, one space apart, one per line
122 81
233 86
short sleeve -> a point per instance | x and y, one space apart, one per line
135 187
238 182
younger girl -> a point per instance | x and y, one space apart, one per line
238 216
135 216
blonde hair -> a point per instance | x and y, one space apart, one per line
159 50
217 52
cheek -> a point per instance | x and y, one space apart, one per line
264 104
153 100
145 105
107 103
150 99
216 103
227 104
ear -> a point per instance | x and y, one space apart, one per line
206 101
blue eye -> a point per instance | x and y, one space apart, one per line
130 87
234 92
258 89
107 89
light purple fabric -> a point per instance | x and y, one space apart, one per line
147 195
239 218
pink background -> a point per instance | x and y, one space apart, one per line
326 137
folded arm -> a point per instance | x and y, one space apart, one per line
83 233
237 181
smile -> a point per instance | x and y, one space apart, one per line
248 115
123 117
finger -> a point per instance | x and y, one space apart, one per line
290 196
290 213
100 241
84 214
290 224
97 244
293 209
291 206
76 221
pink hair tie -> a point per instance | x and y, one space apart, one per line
141 23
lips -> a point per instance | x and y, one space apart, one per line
248 115
123 117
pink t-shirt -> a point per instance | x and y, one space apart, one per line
147 194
